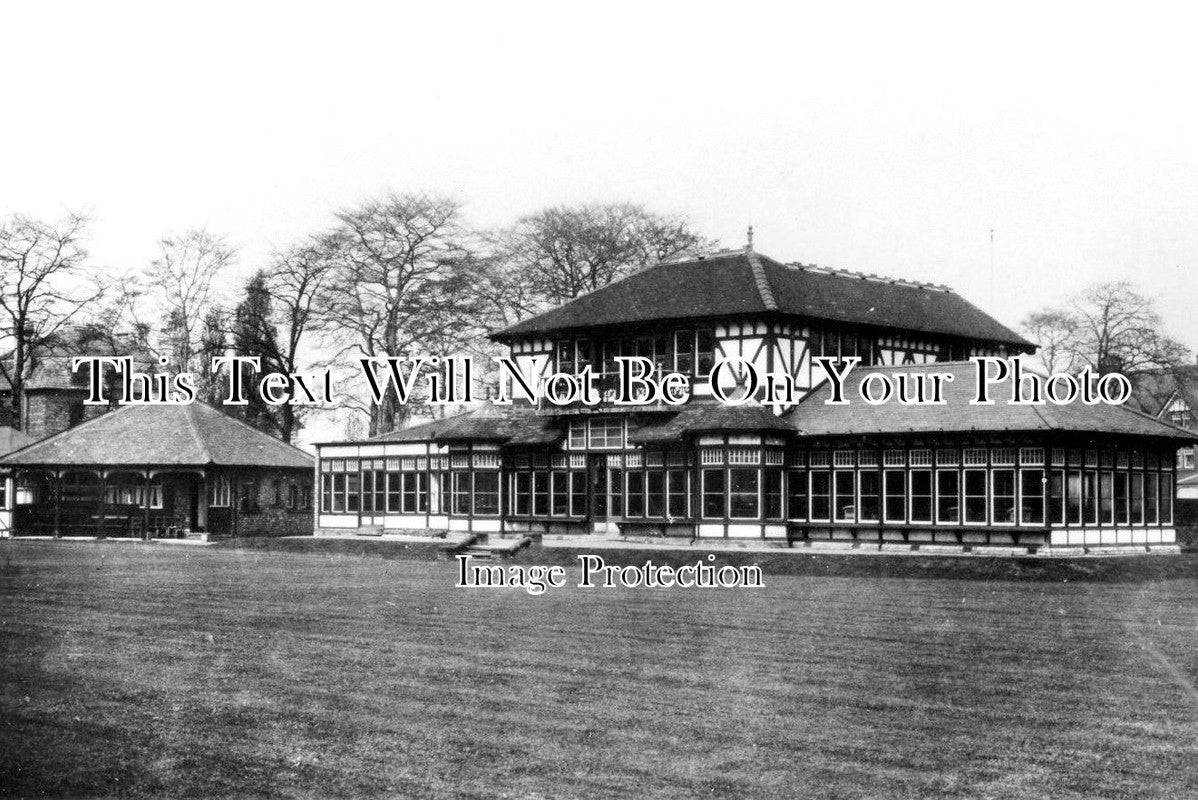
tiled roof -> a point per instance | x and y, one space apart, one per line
732 284
711 419
1155 389
13 439
813 417
489 423
137 435
54 372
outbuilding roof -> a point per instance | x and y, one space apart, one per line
814 417
487 424
712 418
739 283
13 439
193 434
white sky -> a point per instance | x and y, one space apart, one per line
886 138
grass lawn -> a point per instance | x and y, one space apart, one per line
152 671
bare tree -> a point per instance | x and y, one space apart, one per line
181 280
1107 326
399 282
44 286
562 252
294 281
1054 330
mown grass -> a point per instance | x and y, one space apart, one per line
138 670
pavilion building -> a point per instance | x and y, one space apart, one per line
157 470
953 475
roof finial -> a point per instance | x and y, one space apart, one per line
749 242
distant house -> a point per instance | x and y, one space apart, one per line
1172 396
53 394
1067 477
159 470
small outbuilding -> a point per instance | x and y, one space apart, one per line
159 471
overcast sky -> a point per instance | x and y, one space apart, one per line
887 139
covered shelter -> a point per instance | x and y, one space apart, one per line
159 470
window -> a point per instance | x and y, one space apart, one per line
607 433
1106 498
1152 498
1073 498
1056 497
921 458
796 498
655 493
742 494
1002 496
368 492
561 493
1090 494
845 506
1137 498
220 491
578 494
821 490
1121 504
704 353
1031 496
946 457
948 496
921 493
684 352
1166 498
772 493
869 492
744 455
352 487
578 435
975 496
540 494
422 494
522 483
615 482
895 484
679 499
380 492
486 493
713 493
1031 455
247 495
1003 455
460 497
635 496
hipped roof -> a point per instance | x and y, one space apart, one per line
814 417
746 283
194 434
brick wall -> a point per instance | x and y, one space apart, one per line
50 412
272 514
